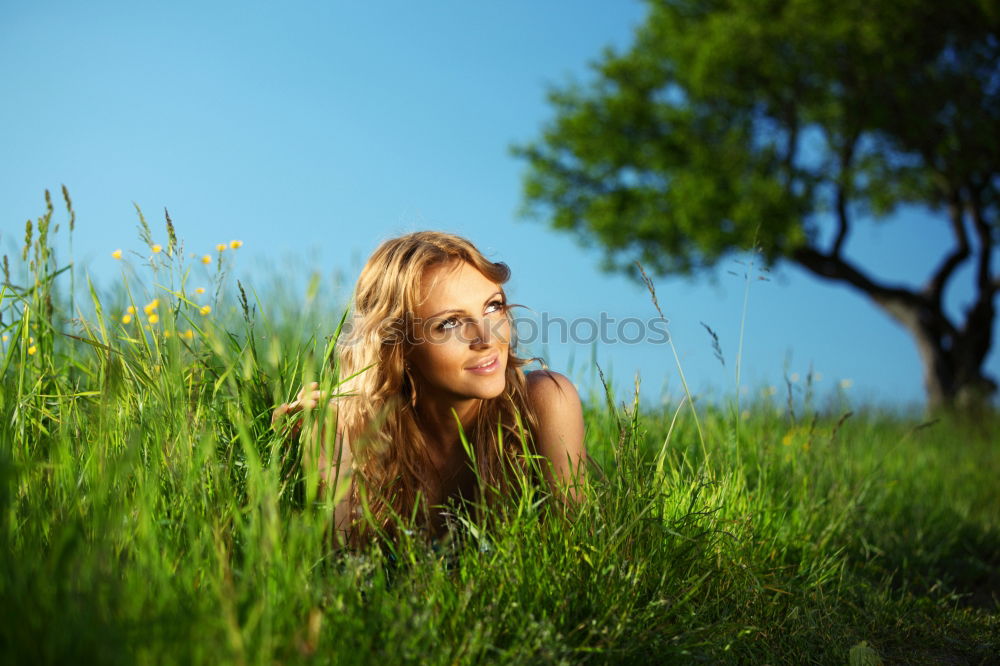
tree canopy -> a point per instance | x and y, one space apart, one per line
779 125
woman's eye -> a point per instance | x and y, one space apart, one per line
495 306
450 322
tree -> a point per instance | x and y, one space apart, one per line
781 124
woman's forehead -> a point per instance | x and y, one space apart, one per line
456 284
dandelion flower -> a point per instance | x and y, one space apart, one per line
220 247
156 248
117 254
207 259
153 318
205 309
199 290
236 244
32 349
126 318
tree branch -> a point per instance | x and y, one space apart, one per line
846 158
935 286
984 275
843 221
899 302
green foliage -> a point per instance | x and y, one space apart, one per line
148 514
729 125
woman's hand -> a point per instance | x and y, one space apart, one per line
308 398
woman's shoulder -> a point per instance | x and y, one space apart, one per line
560 428
545 380
551 393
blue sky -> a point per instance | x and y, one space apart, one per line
312 131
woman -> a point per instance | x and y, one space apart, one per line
430 348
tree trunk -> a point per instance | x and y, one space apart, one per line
952 357
952 362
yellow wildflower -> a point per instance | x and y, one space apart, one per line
167 334
220 247
31 341
6 337
126 318
207 259
156 248
130 309
153 318
117 254
236 244
152 305
199 290
189 334
32 349
205 309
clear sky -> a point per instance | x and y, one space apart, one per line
314 130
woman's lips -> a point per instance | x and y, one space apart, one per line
491 366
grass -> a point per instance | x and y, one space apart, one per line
148 514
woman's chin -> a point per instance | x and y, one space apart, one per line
492 390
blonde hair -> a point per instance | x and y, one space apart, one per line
392 468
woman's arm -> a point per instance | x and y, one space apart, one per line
559 439
332 459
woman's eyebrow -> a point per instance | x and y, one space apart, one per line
460 310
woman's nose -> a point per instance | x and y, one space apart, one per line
480 333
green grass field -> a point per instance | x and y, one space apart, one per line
148 514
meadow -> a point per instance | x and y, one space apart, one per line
149 514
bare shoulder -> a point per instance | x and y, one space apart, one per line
547 387
555 401
560 435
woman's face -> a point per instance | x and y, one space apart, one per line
461 335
